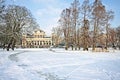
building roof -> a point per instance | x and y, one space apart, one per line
38 30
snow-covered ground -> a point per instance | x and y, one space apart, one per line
43 64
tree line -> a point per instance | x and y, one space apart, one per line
86 25
15 20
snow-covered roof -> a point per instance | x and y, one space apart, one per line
38 30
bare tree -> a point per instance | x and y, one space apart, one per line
65 24
79 38
118 36
98 12
2 9
113 37
75 21
56 35
85 10
2 24
16 19
109 16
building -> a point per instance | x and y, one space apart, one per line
36 40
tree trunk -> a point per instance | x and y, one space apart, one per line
79 47
8 47
66 45
94 43
13 44
75 47
72 47
4 46
9 44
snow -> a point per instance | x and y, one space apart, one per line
58 64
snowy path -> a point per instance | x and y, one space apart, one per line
13 57
42 64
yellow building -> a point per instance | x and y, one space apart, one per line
36 40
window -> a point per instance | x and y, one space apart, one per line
37 42
40 42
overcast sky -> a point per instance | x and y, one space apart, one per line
47 12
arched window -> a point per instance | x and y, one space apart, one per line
40 42
35 42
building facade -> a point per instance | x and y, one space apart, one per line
36 40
